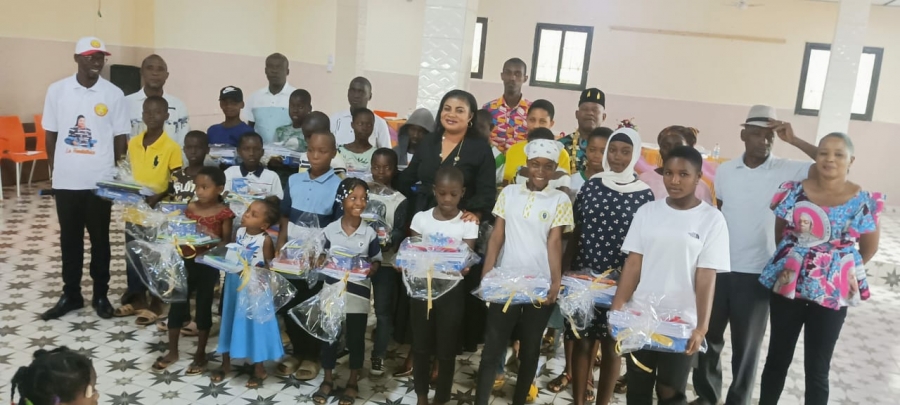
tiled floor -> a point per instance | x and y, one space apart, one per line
865 369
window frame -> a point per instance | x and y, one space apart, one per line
873 85
484 27
589 30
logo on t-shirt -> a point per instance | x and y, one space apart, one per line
100 109
544 215
156 161
694 235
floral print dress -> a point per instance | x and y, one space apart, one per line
817 260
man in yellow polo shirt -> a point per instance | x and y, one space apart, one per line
540 115
153 157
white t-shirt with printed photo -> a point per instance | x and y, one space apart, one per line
86 120
674 243
529 216
425 224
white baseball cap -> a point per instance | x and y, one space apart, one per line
89 46
760 115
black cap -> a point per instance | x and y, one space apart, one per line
593 95
231 93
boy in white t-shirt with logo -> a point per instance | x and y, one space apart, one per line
250 177
675 247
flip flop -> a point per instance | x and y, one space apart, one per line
589 392
308 370
190 329
320 396
349 399
195 369
256 382
145 317
161 363
123 311
559 384
287 367
163 325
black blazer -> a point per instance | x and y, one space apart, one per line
476 161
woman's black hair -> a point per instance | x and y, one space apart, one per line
687 153
55 376
541 133
450 174
600 132
473 107
214 173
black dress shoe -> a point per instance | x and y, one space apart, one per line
103 307
62 307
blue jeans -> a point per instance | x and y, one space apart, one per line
384 286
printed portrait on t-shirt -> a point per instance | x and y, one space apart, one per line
812 226
80 134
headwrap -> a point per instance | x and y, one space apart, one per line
626 181
542 148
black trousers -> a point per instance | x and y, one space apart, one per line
744 303
472 330
530 322
355 336
436 334
77 210
822 327
305 346
202 281
669 373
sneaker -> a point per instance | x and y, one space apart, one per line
377 366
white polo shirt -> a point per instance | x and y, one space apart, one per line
261 182
177 125
343 130
86 120
268 111
529 217
746 196
674 243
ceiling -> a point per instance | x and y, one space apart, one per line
888 3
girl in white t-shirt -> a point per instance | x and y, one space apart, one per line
437 333
675 247
529 226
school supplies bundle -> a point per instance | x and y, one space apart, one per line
160 267
141 221
298 256
263 292
172 207
343 265
289 157
642 324
322 315
230 258
432 265
183 231
121 186
375 213
509 286
223 154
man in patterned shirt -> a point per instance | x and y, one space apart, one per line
590 114
509 111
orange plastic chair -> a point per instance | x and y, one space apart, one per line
385 114
12 147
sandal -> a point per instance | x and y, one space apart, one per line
499 382
532 394
559 384
124 310
589 392
349 399
403 373
547 344
195 369
256 382
320 396
190 330
217 375
621 385
287 367
308 370
145 317
161 363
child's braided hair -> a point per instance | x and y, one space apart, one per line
54 376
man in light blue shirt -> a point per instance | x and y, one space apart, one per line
267 108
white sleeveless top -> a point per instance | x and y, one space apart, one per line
255 243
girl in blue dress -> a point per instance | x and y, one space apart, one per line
240 336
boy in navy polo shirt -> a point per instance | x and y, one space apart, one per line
308 193
231 101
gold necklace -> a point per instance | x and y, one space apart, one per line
458 149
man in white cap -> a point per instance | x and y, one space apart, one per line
744 189
154 73
92 115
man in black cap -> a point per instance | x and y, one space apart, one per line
231 101
590 114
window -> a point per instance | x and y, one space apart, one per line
561 56
812 81
478 48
